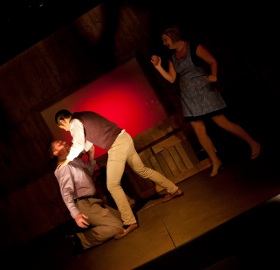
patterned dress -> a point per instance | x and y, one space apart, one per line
199 98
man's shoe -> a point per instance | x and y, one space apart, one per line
125 230
170 196
75 244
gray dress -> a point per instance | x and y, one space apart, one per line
198 97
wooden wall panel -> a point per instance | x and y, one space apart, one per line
34 209
38 77
76 54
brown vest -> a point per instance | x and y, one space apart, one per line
98 130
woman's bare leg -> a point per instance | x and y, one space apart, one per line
238 131
207 144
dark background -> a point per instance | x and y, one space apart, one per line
25 22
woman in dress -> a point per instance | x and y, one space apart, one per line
199 97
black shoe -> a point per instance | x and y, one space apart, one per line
75 244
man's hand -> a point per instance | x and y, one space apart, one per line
62 163
81 220
90 153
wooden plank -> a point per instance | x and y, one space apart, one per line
184 175
204 164
98 21
189 151
172 140
164 165
155 165
148 163
177 158
170 162
181 150
146 154
88 29
155 133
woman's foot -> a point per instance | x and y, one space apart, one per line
216 169
256 151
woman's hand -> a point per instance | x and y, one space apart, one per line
211 78
156 61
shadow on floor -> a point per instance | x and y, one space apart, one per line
249 241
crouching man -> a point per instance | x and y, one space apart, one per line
97 222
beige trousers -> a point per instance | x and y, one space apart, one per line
123 151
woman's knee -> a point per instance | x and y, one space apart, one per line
199 127
222 121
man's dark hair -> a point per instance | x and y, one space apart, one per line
61 115
52 158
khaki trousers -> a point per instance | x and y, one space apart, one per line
105 222
123 151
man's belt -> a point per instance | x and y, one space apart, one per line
85 197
